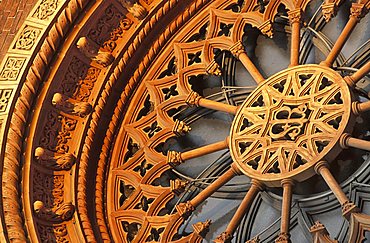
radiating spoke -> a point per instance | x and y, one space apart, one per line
358 75
176 158
348 207
227 235
239 52
295 23
348 141
284 236
194 99
185 209
357 12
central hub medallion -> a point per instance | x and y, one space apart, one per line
289 123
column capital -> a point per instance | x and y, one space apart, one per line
295 16
193 99
358 10
320 165
174 158
237 49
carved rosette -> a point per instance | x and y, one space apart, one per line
285 111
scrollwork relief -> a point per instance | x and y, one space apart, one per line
110 27
48 189
57 132
79 80
57 233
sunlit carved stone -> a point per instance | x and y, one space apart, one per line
358 10
91 50
185 209
59 214
178 186
193 99
254 240
135 8
295 16
202 228
54 161
237 49
213 68
329 10
71 106
283 238
180 128
284 110
349 208
174 158
266 29
224 237
320 234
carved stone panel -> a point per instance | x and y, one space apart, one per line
12 68
28 38
5 95
46 9
109 28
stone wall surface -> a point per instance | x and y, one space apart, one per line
12 15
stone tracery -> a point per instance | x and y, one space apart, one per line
147 160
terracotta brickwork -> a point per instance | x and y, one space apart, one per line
12 15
